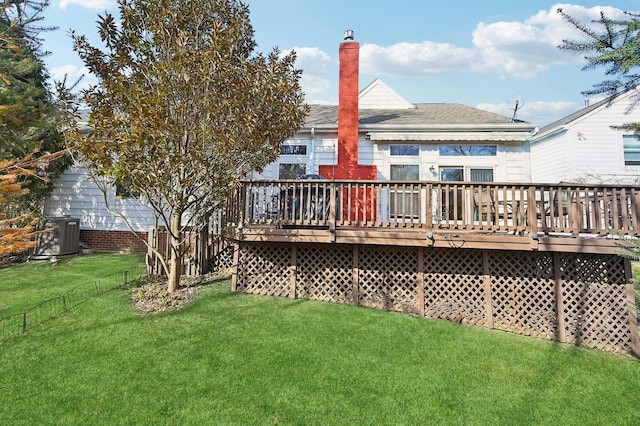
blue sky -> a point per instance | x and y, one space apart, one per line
481 54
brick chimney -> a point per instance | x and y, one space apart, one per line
347 167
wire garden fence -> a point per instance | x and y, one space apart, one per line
19 323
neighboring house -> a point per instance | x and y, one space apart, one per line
585 147
373 134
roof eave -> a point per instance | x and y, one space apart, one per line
467 127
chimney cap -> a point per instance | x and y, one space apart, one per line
348 34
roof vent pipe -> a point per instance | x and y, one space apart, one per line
348 35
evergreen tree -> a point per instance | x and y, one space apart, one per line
28 114
18 232
612 44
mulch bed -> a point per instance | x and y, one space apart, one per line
153 297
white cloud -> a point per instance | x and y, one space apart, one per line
72 73
313 62
516 49
426 58
509 49
89 4
527 49
540 113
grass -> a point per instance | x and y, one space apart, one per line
25 285
230 358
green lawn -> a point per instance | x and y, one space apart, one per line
232 358
25 285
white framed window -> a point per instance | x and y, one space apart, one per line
405 172
404 204
470 174
452 173
480 175
293 149
291 170
404 150
451 201
631 147
468 150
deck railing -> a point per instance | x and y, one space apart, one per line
507 207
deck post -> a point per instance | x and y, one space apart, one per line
631 308
333 210
355 275
242 207
532 211
429 212
635 207
575 211
234 272
557 288
293 268
420 282
488 297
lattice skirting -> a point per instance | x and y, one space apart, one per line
582 299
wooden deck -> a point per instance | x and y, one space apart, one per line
498 216
542 260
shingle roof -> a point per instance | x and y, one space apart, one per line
421 114
569 118
584 111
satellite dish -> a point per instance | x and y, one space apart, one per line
516 103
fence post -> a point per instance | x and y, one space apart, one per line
24 321
64 303
202 250
152 241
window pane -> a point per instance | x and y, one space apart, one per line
291 170
452 173
293 150
631 146
405 172
468 150
412 150
123 192
481 175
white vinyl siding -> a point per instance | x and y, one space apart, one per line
76 195
588 149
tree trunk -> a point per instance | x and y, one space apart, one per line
175 268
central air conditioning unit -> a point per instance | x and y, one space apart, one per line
62 239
